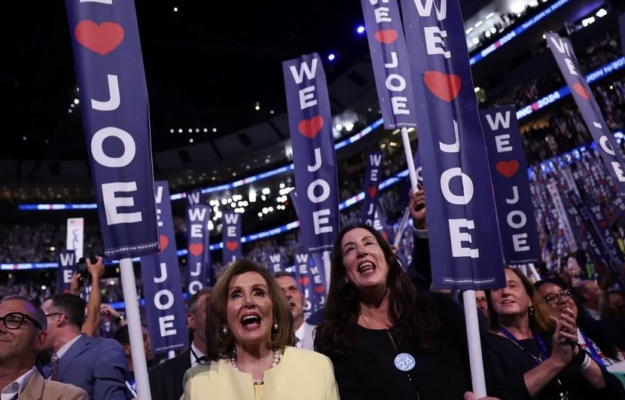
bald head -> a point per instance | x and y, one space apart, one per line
20 344
590 292
31 309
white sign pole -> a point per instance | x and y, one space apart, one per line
133 318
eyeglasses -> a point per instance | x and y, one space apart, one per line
15 320
53 314
562 294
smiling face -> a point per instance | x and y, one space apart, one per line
25 341
364 260
556 297
250 309
513 299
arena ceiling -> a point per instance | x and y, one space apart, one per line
209 66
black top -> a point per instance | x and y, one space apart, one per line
369 371
511 363
166 378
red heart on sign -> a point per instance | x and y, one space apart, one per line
603 223
102 38
310 127
508 168
304 280
386 36
163 241
373 191
196 249
319 289
444 86
579 89
232 246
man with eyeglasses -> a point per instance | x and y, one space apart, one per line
97 365
22 335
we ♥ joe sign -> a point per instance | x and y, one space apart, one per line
115 113
310 123
461 214
515 210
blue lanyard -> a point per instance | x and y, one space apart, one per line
539 342
593 352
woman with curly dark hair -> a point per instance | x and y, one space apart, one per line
385 340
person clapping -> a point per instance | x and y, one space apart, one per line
536 351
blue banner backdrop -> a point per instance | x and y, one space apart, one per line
160 275
231 231
372 183
462 219
199 271
115 114
305 279
195 197
276 263
606 143
67 266
508 166
310 123
391 67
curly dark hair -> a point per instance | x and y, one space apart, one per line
413 316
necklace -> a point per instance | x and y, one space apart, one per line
276 360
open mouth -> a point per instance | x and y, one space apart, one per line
506 302
292 305
366 267
250 321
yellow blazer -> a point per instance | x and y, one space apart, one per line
301 374
38 388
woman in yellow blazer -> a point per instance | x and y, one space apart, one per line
249 333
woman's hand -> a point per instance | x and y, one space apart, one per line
417 208
471 396
566 332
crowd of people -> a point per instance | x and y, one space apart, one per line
382 330
600 52
383 333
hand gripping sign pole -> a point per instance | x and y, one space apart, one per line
115 109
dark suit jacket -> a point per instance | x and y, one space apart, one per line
166 378
96 365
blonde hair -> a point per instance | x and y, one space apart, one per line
220 344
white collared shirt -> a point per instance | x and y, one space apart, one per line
198 353
17 386
299 334
61 352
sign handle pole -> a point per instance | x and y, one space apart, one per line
409 159
534 272
327 267
133 318
475 345
401 228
